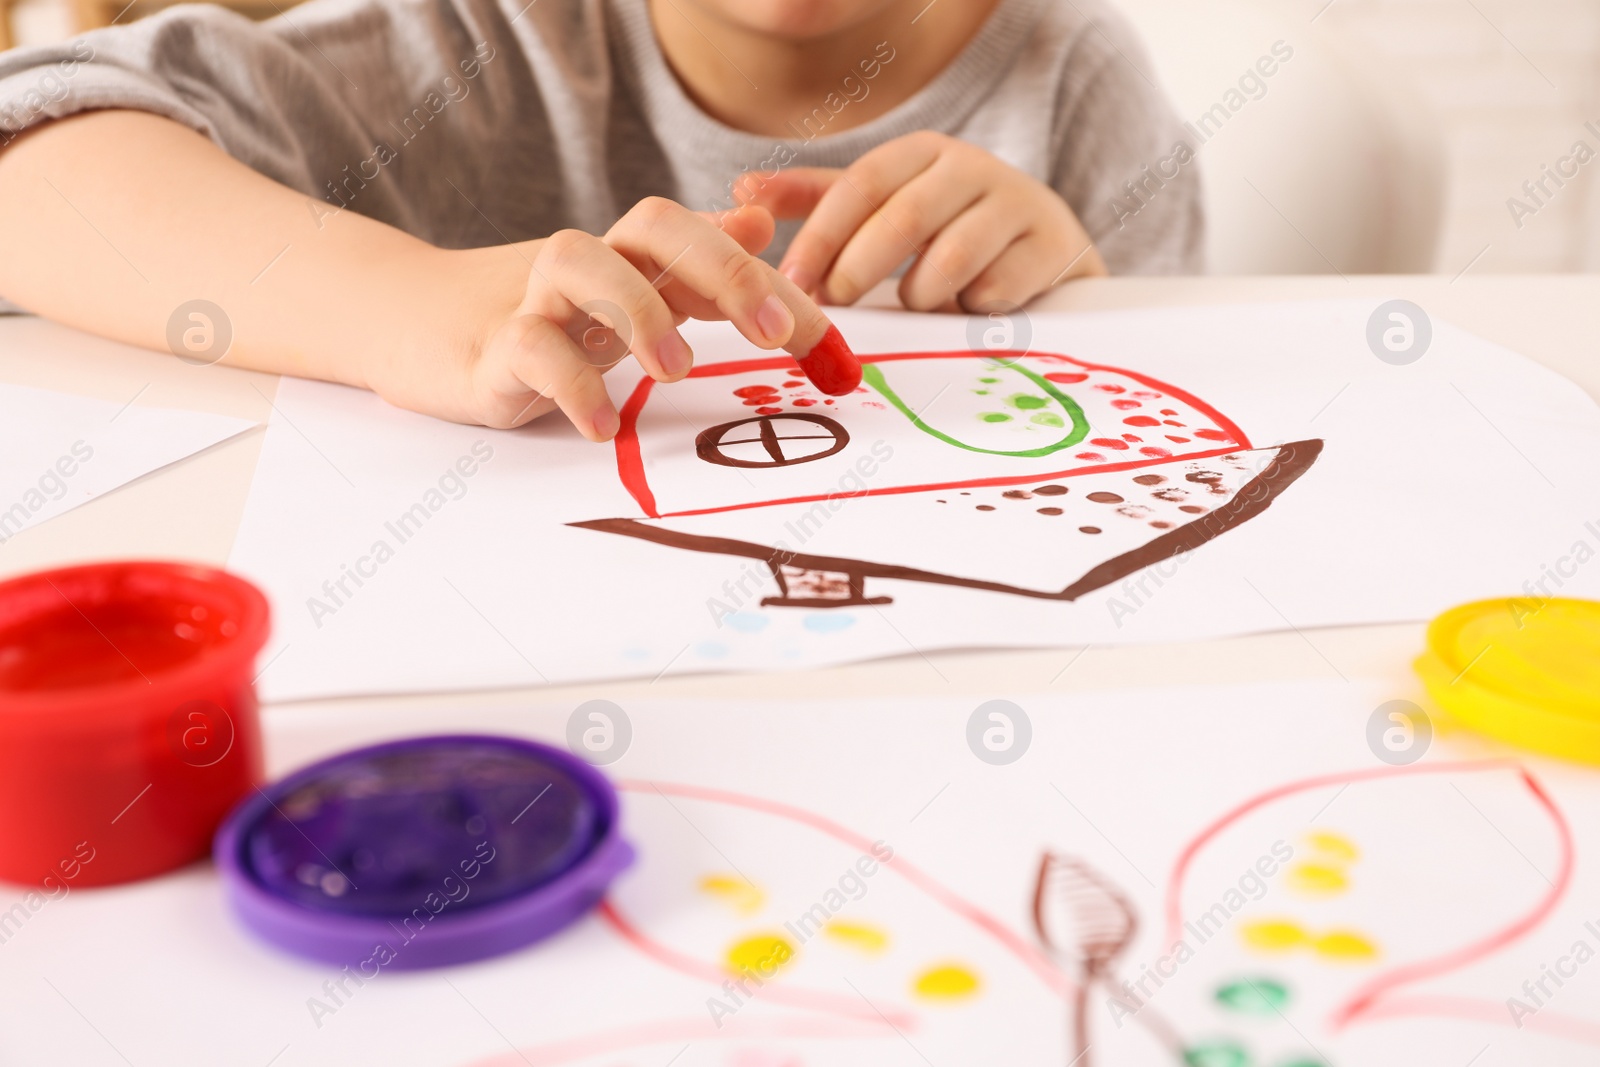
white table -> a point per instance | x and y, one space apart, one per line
192 511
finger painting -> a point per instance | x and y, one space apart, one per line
1136 477
1086 473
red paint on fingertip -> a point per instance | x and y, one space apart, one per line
831 366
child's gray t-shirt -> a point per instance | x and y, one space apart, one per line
476 122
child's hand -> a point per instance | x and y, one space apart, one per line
590 301
983 232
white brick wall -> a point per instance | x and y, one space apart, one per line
1513 82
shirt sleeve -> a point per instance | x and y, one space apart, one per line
326 99
1124 162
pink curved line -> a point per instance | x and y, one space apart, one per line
643 1035
1570 1027
1405 974
1031 956
830 1003
1363 1001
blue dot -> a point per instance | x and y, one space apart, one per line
747 622
828 622
710 650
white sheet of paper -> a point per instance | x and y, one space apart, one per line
63 450
403 553
1462 872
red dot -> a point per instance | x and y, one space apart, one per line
804 402
1178 440
1147 394
1168 411
1109 442
828 401
1065 378
1091 457
1132 437
768 411
793 385
755 390
1213 435
1126 405
1140 420
1109 388
1172 422
1151 450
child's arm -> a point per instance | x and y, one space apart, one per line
115 219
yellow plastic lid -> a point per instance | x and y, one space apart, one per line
1524 670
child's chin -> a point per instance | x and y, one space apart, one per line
796 19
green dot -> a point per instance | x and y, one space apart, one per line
981 392
1216 1054
995 416
988 381
1027 401
1047 418
1254 996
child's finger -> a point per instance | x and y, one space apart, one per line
1028 266
851 200
695 253
539 360
959 253
789 194
600 283
751 226
912 217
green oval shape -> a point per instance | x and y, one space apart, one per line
872 375
1254 996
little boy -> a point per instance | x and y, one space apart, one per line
473 207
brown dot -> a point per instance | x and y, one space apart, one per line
1149 479
1049 511
964 493
1192 509
1105 498
1170 494
1051 490
1016 494
1089 529
944 501
1204 477
1158 524
985 507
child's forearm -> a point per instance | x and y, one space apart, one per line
111 221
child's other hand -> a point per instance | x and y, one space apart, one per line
983 232
590 301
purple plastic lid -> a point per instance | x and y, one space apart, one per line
423 852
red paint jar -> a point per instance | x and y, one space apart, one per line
128 723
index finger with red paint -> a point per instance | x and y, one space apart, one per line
816 344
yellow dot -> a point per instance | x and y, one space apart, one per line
760 955
1317 878
949 981
740 894
1335 847
866 938
1344 945
1273 935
